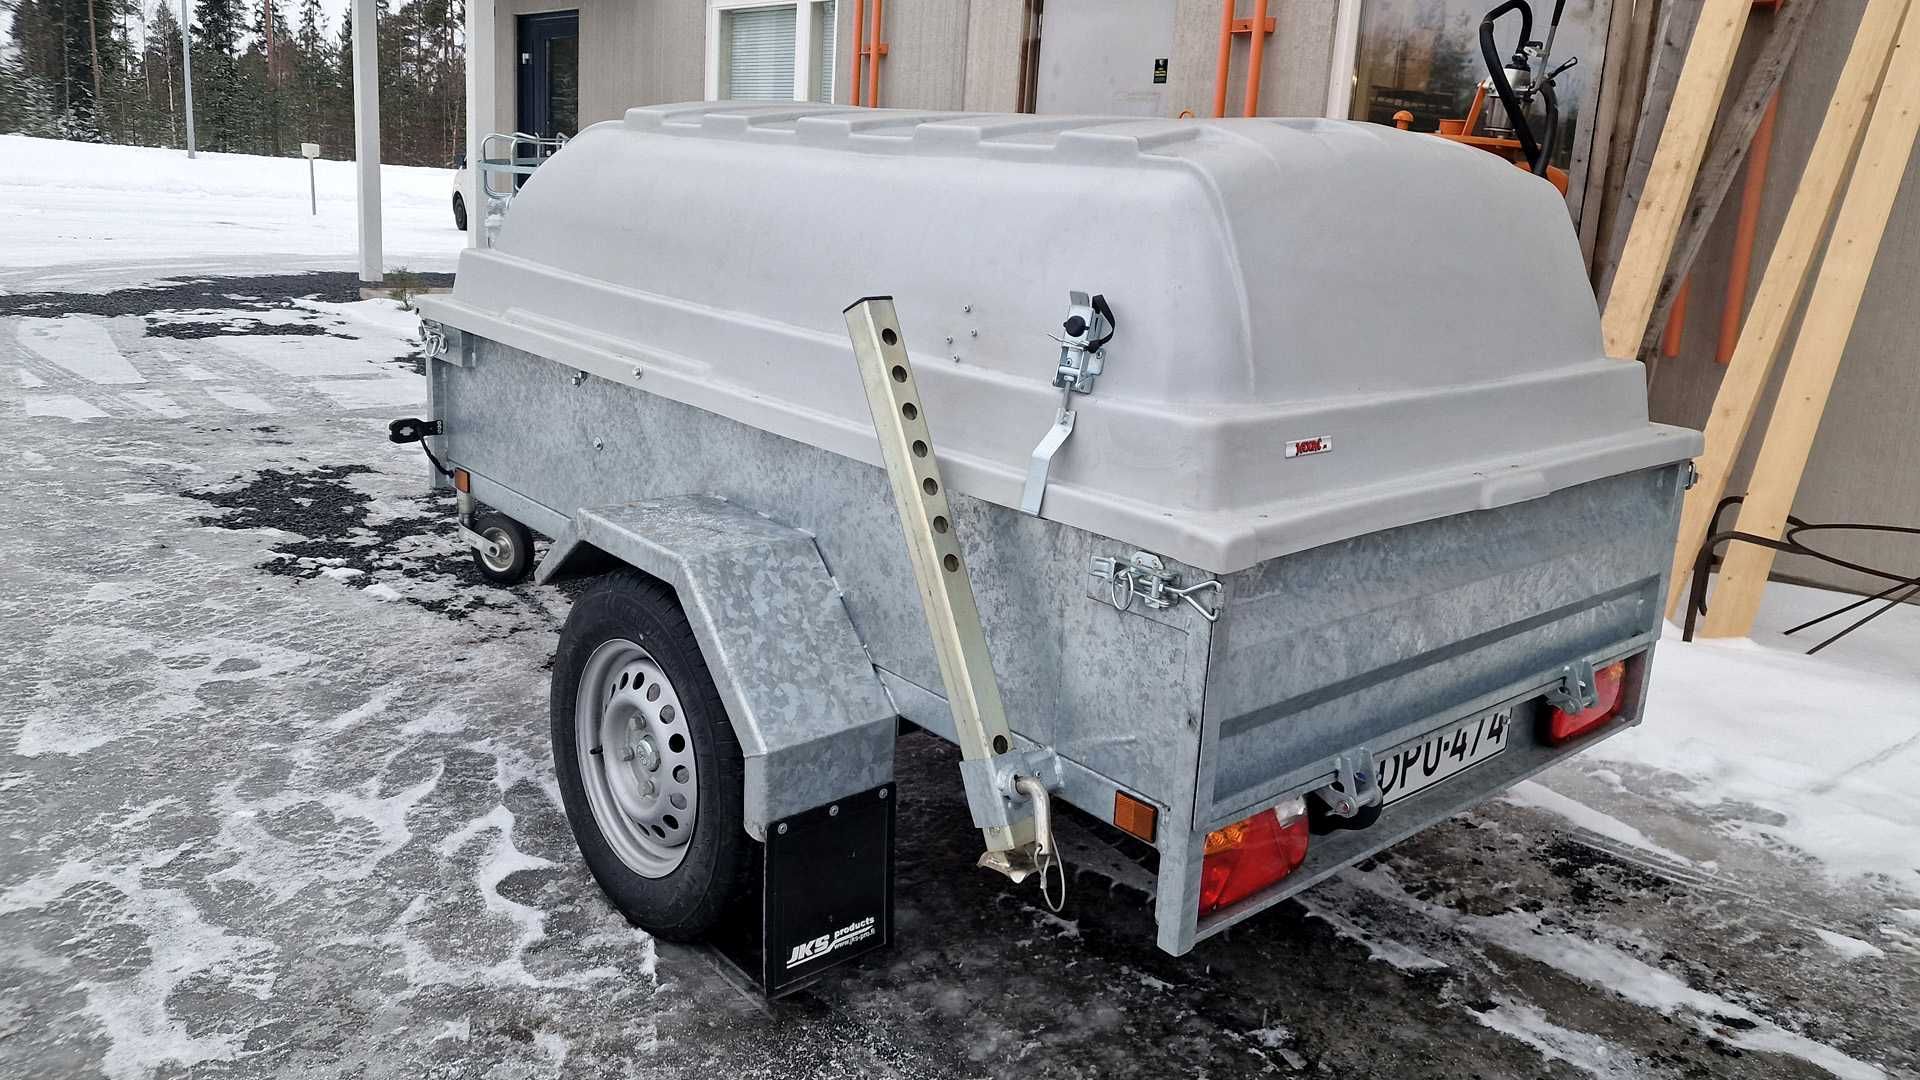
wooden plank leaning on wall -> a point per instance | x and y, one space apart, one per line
1784 282
1683 141
1732 139
1857 230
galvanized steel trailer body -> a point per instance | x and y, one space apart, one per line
1216 610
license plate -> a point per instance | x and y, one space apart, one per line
1413 767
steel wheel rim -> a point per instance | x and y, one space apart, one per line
636 758
504 544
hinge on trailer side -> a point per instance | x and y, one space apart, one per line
1576 690
1088 327
1144 577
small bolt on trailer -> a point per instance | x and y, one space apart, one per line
1275 554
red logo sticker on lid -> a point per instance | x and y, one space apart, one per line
1319 444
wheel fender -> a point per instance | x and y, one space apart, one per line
802 695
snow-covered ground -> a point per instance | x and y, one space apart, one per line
66 203
275 797
1829 743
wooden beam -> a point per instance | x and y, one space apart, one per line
1602 129
1683 141
1857 230
1725 153
1784 282
1655 66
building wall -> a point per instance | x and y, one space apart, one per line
1866 456
942 54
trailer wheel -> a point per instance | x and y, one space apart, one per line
459 212
650 772
515 542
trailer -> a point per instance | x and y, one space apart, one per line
1249 506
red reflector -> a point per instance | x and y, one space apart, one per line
1562 726
1250 855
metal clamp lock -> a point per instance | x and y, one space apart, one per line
1576 690
433 339
1144 577
1356 784
1088 328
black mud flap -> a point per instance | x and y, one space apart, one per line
826 895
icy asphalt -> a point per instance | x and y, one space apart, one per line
276 801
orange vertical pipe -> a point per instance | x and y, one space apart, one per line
1226 54
1742 261
1253 58
873 69
1676 322
859 48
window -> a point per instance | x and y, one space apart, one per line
757 51
1423 56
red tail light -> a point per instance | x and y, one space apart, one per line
1607 682
1249 855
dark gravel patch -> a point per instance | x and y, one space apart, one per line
330 517
193 331
248 293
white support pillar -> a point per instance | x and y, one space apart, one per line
1346 46
366 136
480 107
186 64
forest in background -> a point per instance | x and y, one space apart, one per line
112 71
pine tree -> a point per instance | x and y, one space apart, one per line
164 68
225 116
26 99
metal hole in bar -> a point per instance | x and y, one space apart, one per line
930 486
919 448
909 410
939 524
951 562
887 335
899 373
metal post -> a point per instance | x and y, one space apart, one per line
186 61
313 191
480 105
946 590
366 136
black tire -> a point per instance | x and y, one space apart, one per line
459 212
516 543
717 869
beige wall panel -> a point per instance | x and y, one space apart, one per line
996 31
1294 71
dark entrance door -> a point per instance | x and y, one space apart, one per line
550 73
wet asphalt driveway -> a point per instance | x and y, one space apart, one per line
276 800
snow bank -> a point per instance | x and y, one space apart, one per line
1832 748
70 202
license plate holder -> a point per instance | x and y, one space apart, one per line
1439 756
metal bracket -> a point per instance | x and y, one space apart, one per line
1355 786
1144 577
1041 462
1576 690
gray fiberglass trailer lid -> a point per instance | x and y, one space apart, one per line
1344 288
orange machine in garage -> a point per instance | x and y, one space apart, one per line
1505 125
